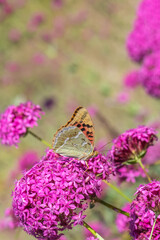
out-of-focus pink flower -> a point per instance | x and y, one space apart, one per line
62 238
145 36
57 3
129 173
153 154
15 121
28 160
7 8
155 125
12 66
132 79
39 58
3 1
79 17
123 97
9 222
92 110
25 163
59 27
36 20
122 221
47 37
150 74
14 35
20 3
6 79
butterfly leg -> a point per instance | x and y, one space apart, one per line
69 162
87 167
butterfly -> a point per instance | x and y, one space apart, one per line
76 138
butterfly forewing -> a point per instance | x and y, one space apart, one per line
82 120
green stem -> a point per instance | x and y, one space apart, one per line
39 138
153 228
112 207
142 166
118 191
92 231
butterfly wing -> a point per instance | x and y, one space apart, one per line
83 121
70 141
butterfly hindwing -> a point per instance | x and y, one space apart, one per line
70 141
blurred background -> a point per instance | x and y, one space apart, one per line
62 54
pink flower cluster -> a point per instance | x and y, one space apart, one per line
53 194
145 36
15 121
143 46
144 209
131 144
150 74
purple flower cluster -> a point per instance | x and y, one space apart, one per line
150 74
132 144
145 36
122 221
144 209
52 196
15 121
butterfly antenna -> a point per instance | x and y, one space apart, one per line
106 144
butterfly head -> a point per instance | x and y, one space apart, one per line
95 153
